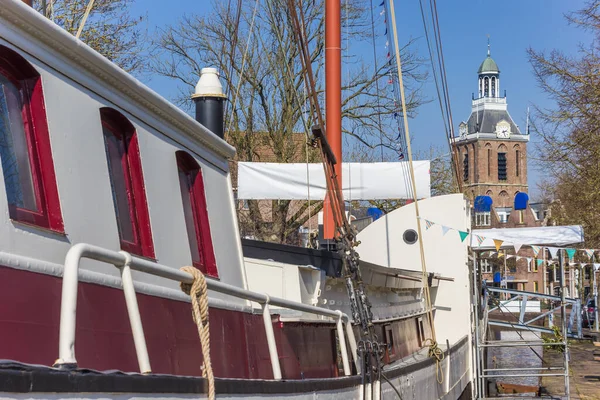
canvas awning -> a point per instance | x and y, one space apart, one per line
360 181
557 236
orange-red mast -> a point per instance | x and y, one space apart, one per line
333 101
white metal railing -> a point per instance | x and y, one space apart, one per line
125 263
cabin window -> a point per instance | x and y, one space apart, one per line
195 212
25 151
127 183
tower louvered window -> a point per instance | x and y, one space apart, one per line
466 167
501 166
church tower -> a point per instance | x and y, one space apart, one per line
491 148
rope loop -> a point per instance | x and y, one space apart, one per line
438 354
198 292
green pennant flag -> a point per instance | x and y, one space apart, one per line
463 235
539 262
571 253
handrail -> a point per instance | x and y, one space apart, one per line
126 262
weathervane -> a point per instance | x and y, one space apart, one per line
488 36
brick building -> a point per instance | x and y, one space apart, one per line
492 152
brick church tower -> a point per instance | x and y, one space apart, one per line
491 148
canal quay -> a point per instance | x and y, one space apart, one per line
584 371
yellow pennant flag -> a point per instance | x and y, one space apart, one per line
498 244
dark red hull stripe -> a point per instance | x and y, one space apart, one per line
29 322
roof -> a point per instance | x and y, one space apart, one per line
488 65
488 119
63 52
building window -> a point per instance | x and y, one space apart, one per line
25 151
127 183
535 286
493 87
489 162
196 214
535 265
466 167
486 89
518 162
485 265
503 217
501 166
483 218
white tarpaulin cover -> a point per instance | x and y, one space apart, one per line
542 236
360 181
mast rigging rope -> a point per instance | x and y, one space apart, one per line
433 349
241 76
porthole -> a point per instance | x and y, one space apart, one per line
410 236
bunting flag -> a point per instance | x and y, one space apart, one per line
498 244
553 251
570 253
463 235
382 3
479 239
589 252
428 224
445 229
493 253
539 262
500 254
596 266
510 256
536 250
518 257
517 247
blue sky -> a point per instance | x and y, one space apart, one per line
513 25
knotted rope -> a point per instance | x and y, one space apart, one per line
438 354
198 292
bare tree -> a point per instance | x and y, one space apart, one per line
110 29
253 45
570 131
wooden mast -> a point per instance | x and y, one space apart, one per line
333 102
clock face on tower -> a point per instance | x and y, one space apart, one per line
463 129
503 130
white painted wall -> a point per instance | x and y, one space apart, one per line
382 243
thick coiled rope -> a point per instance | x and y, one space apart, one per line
198 292
438 354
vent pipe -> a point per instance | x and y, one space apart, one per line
210 100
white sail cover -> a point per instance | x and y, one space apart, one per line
539 236
360 181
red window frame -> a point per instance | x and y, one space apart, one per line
199 210
29 83
120 127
